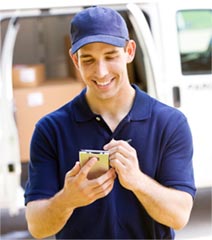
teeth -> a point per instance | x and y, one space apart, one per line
103 83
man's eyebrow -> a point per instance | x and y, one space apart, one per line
85 55
111 52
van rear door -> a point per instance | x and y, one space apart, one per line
138 16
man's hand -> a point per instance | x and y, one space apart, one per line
79 191
123 159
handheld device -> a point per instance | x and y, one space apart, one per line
100 167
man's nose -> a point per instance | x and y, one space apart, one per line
101 69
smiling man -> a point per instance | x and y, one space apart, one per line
149 188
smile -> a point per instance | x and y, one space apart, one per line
103 83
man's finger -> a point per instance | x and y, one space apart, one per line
75 170
87 167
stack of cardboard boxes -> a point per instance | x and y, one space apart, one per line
36 96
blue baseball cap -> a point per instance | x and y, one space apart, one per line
98 24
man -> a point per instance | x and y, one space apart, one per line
148 190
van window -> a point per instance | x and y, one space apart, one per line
195 41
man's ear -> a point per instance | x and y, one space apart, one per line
74 58
130 49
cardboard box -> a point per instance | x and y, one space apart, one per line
33 103
28 75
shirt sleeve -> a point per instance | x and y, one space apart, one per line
176 168
43 174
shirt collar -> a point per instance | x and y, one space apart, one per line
142 106
141 109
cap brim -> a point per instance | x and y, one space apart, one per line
112 40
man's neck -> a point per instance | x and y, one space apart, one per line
113 110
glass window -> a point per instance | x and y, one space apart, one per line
195 41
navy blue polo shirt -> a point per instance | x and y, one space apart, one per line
162 138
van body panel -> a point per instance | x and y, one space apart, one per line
159 29
195 89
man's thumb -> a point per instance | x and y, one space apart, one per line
74 171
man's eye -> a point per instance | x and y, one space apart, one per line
111 57
87 61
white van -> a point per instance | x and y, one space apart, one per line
172 64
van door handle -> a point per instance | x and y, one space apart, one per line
176 96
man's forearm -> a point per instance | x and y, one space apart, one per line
47 217
167 206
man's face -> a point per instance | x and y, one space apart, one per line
103 68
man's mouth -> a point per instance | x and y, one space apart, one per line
103 84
